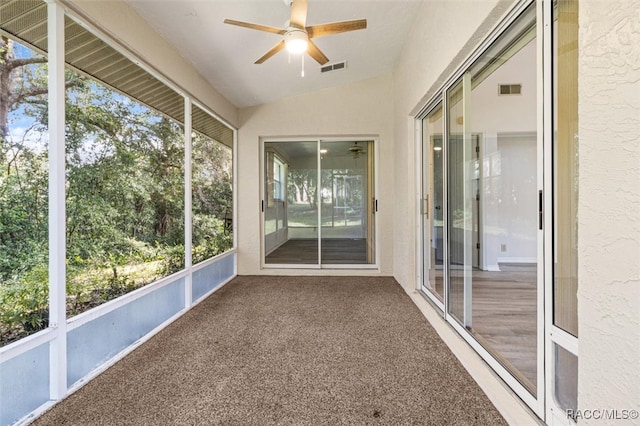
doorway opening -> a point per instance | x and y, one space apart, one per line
319 203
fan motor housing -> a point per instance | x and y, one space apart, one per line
296 40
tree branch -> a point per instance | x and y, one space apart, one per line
41 90
17 63
34 91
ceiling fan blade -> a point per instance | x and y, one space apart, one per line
316 53
256 26
298 13
275 49
336 27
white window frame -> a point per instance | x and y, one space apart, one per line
279 178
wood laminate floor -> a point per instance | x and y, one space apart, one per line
350 251
504 316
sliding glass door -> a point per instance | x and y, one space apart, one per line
499 156
432 203
494 186
482 182
319 203
290 207
346 196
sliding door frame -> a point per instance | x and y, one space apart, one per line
373 206
554 336
421 249
536 402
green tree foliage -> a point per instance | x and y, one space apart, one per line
302 186
124 195
212 203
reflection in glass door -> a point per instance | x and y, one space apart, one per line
291 203
319 203
347 178
432 204
460 237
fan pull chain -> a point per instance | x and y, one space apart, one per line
302 73
289 56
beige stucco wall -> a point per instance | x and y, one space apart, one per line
609 206
434 49
363 108
118 20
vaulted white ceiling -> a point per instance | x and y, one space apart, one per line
225 54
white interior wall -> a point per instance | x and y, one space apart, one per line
125 25
516 221
492 113
609 206
509 187
360 109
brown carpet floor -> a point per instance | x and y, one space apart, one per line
287 351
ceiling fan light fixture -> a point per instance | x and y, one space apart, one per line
296 41
297 35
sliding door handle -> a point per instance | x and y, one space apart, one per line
540 209
426 207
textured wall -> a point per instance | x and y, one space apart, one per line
609 205
363 108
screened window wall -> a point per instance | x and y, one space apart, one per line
498 191
24 176
145 179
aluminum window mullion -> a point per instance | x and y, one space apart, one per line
376 191
419 167
57 214
467 153
319 206
188 204
262 185
445 204
545 165
234 194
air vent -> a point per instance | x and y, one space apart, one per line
510 89
333 67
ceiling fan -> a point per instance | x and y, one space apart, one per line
356 150
297 36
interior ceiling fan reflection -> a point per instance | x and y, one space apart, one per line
356 150
296 36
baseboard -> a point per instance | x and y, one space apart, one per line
517 260
492 268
